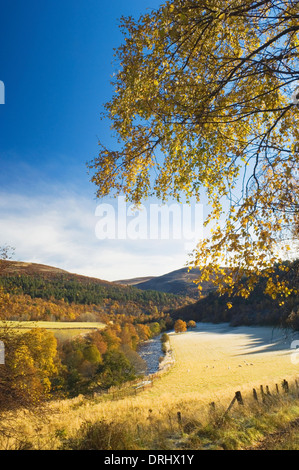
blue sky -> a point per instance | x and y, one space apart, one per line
56 61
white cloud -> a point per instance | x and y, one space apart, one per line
58 229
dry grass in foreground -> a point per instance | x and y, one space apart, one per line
88 424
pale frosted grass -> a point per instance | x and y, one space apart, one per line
218 361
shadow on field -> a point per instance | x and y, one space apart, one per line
257 339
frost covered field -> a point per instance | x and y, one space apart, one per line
216 360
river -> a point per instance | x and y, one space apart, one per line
151 351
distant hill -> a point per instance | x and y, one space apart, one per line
46 282
12 268
135 281
180 282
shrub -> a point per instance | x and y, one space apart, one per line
101 436
164 338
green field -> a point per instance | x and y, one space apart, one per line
62 330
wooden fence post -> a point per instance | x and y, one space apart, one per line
285 386
239 398
255 395
262 392
230 406
213 406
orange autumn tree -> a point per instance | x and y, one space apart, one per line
180 326
206 102
30 363
42 346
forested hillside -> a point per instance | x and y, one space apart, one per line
258 309
81 291
59 295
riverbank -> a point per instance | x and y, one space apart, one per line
168 360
